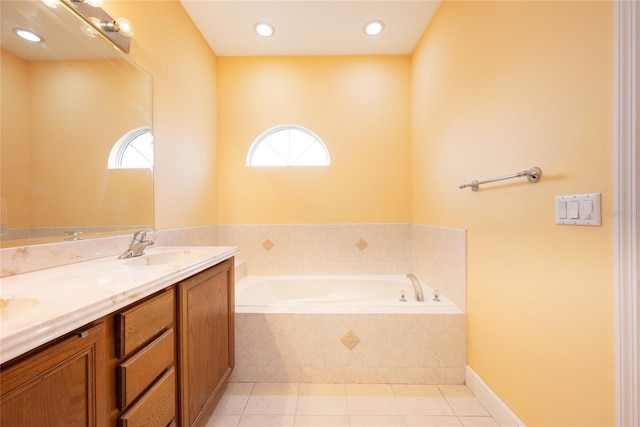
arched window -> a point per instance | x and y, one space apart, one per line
134 150
288 145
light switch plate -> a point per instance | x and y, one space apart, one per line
579 209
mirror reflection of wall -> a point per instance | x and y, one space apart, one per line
61 118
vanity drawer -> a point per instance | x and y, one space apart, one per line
139 324
157 407
141 370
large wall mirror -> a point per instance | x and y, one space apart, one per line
76 151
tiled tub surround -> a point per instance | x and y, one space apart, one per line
351 348
322 248
390 348
437 255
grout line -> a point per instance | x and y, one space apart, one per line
244 407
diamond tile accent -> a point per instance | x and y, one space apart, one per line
350 340
268 245
361 244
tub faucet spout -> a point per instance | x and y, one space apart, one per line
417 287
137 245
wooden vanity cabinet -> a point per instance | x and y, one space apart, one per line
62 385
159 362
206 306
145 345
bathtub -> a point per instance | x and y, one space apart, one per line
336 294
345 329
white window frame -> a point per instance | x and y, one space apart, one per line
266 134
122 145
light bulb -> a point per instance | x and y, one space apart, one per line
28 35
124 27
264 29
373 28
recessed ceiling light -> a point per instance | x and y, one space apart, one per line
264 29
373 28
28 35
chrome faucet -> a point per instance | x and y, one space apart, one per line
137 245
417 288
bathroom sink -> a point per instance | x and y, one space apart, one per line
160 258
11 307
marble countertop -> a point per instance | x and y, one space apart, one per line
40 306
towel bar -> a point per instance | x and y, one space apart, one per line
533 175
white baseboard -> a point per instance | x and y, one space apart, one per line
492 403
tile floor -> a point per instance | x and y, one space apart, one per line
325 405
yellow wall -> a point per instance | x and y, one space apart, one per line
499 87
168 45
48 142
71 133
359 106
15 178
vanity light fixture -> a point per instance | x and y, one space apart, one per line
264 29
120 25
118 31
373 28
28 35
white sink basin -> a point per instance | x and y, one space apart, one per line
11 307
160 258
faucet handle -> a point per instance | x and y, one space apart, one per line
140 235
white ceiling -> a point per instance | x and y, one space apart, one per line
311 27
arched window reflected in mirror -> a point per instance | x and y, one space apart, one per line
134 150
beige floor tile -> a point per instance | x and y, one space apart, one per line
234 399
322 421
478 422
463 401
342 405
431 421
377 420
223 421
421 400
371 399
272 399
249 420
322 399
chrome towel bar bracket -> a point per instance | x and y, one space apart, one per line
533 175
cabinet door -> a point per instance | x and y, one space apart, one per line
206 305
62 385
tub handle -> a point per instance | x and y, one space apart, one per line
403 296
